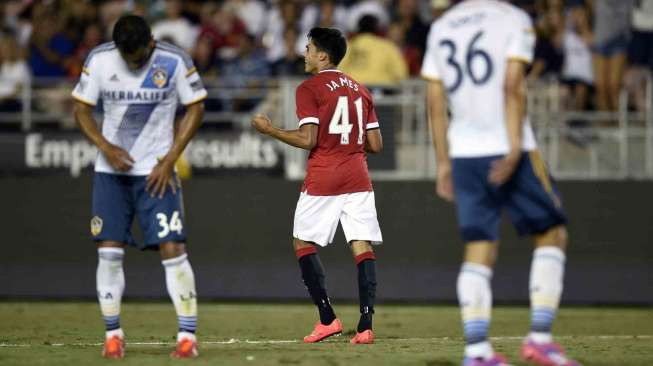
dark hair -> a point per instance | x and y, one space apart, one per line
331 41
368 24
131 33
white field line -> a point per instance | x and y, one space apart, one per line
292 341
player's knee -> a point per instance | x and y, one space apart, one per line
481 252
360 247
110 244
556 236
171 250
299 244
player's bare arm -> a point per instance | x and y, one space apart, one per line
116 156
161 175
373 141
437 101
515 94
305 137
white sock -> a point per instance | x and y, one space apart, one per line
547 271
475 298
118 332
180 281
110 282
187 335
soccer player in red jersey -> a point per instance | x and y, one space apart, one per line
337 123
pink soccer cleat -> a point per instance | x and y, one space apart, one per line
114 347
496 360
322 331
186 348
364 337
547 354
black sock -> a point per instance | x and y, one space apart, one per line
366 289
313 276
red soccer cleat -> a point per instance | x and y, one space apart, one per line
114 347
186 348
322 331
364 337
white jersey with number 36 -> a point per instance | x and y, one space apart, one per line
468 49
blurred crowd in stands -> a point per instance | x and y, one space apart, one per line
595 47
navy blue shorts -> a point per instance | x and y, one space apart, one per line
530 198
618 44
117 198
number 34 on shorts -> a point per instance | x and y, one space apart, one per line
167 226
118 200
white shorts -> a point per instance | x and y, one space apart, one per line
316 218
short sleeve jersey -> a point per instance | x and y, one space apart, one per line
139 106
468 50
343 110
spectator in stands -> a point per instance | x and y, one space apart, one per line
640 54
283 15
577 67
414 29
14 74
50 49
175 27
322 13
377 8
205 58
610 43
223 32
252 13
248 69
577 73
92 36
412 55
291 64
371 59
76 17
550 27
17 18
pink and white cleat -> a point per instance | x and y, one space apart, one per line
547 354
496 360
322 331
364 337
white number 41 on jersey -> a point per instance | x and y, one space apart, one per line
340 125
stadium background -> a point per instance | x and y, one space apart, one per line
243 188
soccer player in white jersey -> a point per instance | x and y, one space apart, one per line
140 82
487 159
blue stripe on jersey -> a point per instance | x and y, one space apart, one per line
108 46
137 115
165 46
133 123
154 76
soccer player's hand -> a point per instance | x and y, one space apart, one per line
119 159
160 178
502 169
443 183
262 123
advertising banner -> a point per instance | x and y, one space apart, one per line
70 153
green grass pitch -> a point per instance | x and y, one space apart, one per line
69 333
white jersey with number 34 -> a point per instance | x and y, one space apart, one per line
468 49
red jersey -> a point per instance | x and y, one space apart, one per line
344 111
